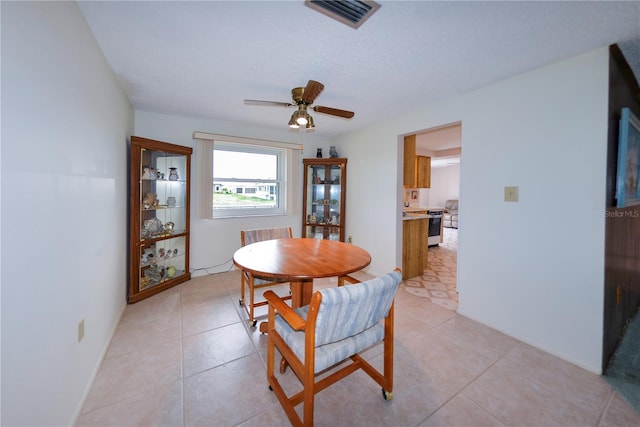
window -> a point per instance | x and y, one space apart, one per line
242 177
247 180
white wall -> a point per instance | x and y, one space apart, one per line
374 193
65 124
213 242
445 185
533 269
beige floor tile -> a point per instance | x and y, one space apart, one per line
128 375
416 393
200 316
446 361
204 285
572 383
228 394
147 323
445 302
477 337
515 400
354 401
459 412
188 357
215 347
161 406
619 414
273 416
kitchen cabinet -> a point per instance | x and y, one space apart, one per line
414 245
409 171
159 207
423 172
324 196
417 169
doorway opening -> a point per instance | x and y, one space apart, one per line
443 145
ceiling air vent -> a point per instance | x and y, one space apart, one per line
350 12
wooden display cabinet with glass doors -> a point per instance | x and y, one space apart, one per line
324 195
160 175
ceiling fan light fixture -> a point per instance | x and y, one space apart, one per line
301 116
302 119
310 124
293 124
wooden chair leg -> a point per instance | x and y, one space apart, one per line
251 301
270 347
283 365
309 392
347 279
388 353
242 288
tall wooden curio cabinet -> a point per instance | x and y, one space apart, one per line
160 176
324 195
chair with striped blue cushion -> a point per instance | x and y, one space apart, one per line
337 324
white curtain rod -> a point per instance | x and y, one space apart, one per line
205 136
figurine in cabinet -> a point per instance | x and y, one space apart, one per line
173 174
149 173
146 172
171 271
150 200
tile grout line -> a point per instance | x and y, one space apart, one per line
605 409
477 377
184 415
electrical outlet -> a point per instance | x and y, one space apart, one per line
510 194
350 239
80 330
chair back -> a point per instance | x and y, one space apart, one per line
258 235
346 311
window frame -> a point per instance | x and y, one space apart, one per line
204 167
280 154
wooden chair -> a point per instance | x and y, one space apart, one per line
255 282
338 324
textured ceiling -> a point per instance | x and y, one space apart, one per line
204 58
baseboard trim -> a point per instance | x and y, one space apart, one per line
97 366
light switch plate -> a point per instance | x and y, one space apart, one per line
510 194
80 330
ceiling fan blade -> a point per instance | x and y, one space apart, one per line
334 111
267 103
311 91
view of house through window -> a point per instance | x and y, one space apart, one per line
247 180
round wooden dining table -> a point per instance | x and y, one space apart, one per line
299 261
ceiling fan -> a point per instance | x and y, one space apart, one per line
303 97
